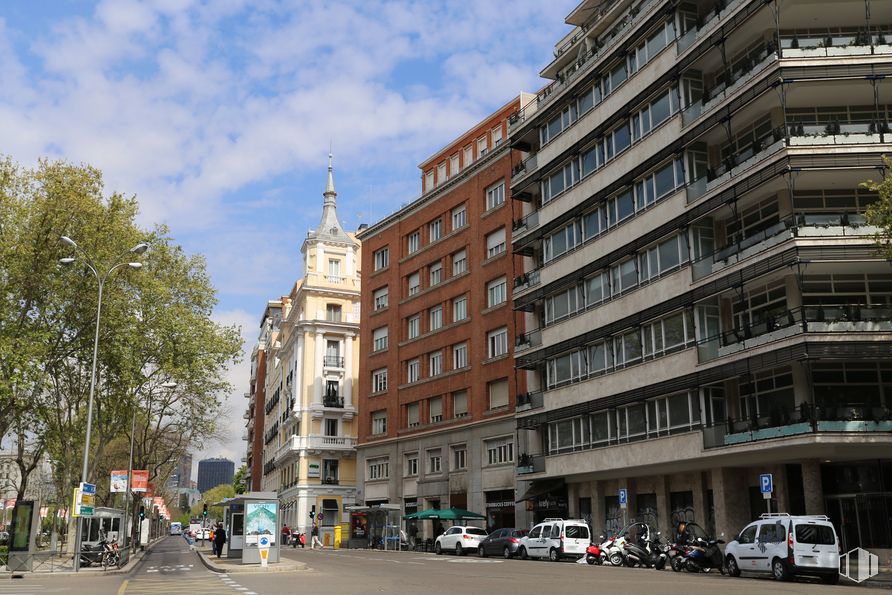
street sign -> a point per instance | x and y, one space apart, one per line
84 499
623 498
263 546
766 485
319 516
88 488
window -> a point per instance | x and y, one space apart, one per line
413 242
379 380
434 461
453 165
497 342
379 339
459 217
498 393
659 184
459 308
565 368
748 535
436 273
563 240
630 421
334 270
468 155
623 276
668 334
412 415
481 146
435 230
435 363
379 422
496 292
564 304
380 298
654 113
333 312
441 173
673 412
497 136
459 263
568 434
459 457
435 407
331 427
627 348
460 403
663 257
499 451
414 326
559 180
459 356
378 469
435 318
410 464
495 195
413 370
382 258
495 243
414 283
429 181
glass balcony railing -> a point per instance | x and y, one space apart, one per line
837 133
531 400
852 43
528 340
525 224
527 463
720 11
526 280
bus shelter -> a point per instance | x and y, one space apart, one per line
374 527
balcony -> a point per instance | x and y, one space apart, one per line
529 401
523 169
330 481
334 401
805 420
329 443
335 279
333 361
720 11
853 43
526 280
837 133
527 463
528 340
731 166
525 224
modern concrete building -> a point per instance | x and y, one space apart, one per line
705 300
312 363
214 472
437 384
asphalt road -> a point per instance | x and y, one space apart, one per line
170 568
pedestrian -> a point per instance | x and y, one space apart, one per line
413 535
302 538
211 539
286 534
219 539
315 534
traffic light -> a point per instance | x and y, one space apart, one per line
204 511
313 511
142 512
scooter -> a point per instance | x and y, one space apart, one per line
297 539
613 551
704 555
595 555
649 554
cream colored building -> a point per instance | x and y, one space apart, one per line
312 366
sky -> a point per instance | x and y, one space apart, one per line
219 115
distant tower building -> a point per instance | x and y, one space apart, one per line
214 472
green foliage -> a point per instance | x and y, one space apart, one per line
238 482
156 328
879 214
212 496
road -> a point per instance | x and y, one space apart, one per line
170 568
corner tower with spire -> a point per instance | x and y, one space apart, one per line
310 458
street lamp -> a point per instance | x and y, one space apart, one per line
101 279
164 385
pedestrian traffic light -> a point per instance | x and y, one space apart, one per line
204 511
142 512
313 511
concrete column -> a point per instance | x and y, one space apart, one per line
573 500
348 367
298 386
317 367
699 488
813 488
597 491
661 487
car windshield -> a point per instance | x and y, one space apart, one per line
475 531
815 535
576 532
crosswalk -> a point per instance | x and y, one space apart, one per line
180 580
29 587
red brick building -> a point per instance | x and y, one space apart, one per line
437 384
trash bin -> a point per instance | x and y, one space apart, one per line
337 537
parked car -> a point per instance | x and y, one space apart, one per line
501 542
786 546
555 539
459 540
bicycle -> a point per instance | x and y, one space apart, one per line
111 555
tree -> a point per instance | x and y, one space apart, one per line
879 214
238 482
212 496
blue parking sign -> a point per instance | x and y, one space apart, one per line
623 496
766 483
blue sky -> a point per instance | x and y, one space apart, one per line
218 114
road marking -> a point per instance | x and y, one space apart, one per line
123 587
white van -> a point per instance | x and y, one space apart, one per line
786 546
555 539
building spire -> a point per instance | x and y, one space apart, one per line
330 194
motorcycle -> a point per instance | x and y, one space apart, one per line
613 548
704 555
297 539
595 555
648 554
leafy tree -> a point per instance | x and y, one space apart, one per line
212 496
238 482
879 214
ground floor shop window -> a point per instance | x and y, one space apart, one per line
499 509
858 500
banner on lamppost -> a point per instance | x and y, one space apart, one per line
118 482
44 511
140 481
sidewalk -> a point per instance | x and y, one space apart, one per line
881 581
61 565
235 566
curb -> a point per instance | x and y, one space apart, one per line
250 569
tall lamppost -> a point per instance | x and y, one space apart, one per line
101 279
127 519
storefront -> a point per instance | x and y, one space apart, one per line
858 500
499 509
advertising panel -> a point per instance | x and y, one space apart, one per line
140 482
260 519
118 481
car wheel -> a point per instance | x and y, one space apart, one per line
830 579
437 549
458 550
523 553
616 559
779 570
733 568
553 555
506 553
481 552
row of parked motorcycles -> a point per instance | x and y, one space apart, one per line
640 545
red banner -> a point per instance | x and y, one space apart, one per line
140 481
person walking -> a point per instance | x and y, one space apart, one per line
211 539
315 534
219 539
286 534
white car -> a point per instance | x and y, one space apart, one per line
786 546
459 540
555 539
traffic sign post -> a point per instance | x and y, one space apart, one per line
263 546
624 502
766 485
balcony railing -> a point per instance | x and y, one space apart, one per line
525 224
528 340
801 421
526 280
837 133
333 361
333 401
527 463
853 43
531 400
331 481
336 279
